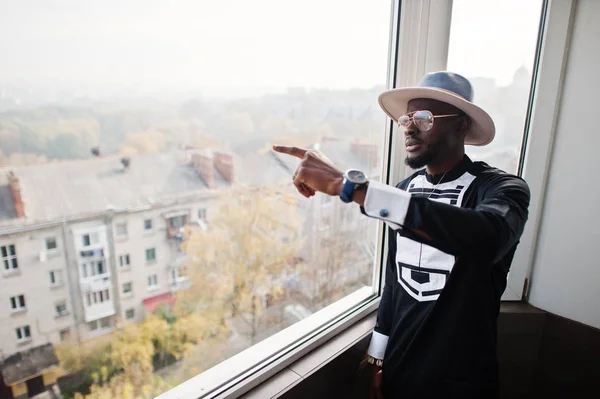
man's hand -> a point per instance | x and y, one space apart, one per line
315 172
375 382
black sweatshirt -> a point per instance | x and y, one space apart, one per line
436 325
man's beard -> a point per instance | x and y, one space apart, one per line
421 160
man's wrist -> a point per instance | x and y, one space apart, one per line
360 194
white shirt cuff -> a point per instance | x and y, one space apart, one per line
378 344
387 203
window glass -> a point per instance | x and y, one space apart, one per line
146 111
51 244
499 63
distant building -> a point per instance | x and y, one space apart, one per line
87 242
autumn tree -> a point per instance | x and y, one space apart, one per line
240 263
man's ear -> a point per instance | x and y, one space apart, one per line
464 125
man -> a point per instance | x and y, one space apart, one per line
453 230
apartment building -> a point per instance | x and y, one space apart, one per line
87 243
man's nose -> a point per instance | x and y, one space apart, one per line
410 130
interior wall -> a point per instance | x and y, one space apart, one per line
566 270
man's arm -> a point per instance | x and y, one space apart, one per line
384 313
488 231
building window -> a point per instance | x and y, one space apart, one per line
177 222
93 298
124 260
23 333
55 277
93 325
90 239
100 267
9 258
61 308
152 282
51 244
179 274
148 225
105 322
17 303
150 255
130 314
121 230
127 288
65 335
202 214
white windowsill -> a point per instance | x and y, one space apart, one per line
59 315
24 341
18 311
57 285
127 295
256 364
153 288
10 273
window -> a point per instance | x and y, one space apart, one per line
93 298
23 333
501 73
65 334
319 90
124 261
9 258
51 244
121 229
177 222
179 274
152 282
55 277
61 308
105 322
17 303
100 267
150 255
90 239
129 314
127 288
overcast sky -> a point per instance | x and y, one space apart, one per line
259 45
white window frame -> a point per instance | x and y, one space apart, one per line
22 330
152 282
150 261
151 229
126 314
119 234
63 313
51 250
57 275
19 306
421 32
10 263
128 293
125 261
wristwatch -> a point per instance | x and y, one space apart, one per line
353 179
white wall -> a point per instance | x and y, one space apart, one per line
566 271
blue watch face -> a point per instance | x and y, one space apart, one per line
356 176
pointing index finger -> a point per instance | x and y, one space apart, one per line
293 151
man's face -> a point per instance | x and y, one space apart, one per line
425 147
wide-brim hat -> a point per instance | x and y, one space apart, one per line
447 87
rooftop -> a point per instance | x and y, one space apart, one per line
28 363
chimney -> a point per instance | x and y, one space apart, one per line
366 152
15 191
223 163
203 164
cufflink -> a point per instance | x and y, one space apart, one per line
383 213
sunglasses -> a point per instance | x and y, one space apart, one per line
423 120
